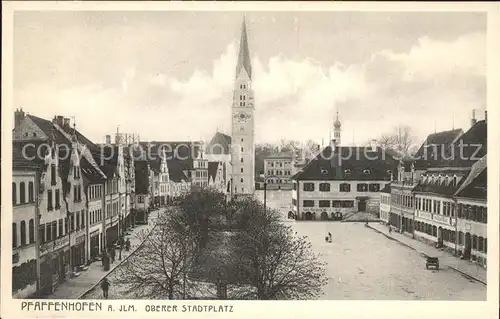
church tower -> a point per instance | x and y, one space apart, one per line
337 129
243 123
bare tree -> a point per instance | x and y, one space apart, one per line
400 140
274 262
158 269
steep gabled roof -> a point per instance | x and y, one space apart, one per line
220 144
475 185
349 163
435 146
212 169
43 124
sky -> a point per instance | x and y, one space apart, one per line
169 75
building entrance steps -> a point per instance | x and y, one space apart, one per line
76 287
464 267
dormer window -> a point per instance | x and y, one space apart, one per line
366 171
347 171
324 171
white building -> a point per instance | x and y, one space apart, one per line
472 215
278 171
385 203
24 254
243 124
341 180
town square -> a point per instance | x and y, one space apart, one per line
250 156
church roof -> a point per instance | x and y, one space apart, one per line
244 53
220 144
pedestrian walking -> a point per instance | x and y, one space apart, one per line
127 245
112 254
390 229
105 287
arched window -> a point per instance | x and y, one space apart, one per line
14 235
14 194
31 192
23 233
31 231
22 193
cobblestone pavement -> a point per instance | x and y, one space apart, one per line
75 287
475 271
364 264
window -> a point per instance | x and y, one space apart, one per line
54 229
362 187
242 148
294 186
48 232
49 200
58 203
241 160
347 203
308 203
77 220
324 187
241 170
308 187
14 235
53 174
66 225
14 194
374 187
324 203
72 222
61 232
31 231
345 187
241 180
242 140
23 233
83 218
22 193
41 233
30 192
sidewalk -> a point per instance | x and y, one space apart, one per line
465 267
75 287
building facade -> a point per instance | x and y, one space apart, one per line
385 204
341 180
278 171
243 124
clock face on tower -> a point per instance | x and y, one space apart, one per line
242 116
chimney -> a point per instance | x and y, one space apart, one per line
66 122
108 139
373 145
473 120
58 120
18 117
486 116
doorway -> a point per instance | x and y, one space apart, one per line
309 216
362 206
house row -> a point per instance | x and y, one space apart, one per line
440 195
73 198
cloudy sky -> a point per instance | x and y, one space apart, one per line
168 75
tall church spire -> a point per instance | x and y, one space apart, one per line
244 54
